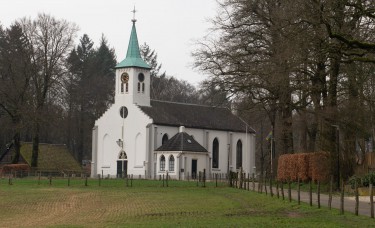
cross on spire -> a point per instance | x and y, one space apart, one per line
133 11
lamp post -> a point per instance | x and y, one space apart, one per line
338 154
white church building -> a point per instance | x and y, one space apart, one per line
145 137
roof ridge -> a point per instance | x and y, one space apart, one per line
192 104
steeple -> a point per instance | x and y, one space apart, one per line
133 55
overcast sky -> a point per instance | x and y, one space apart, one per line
168 26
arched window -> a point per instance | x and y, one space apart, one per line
239 154
215 153
143 87
171 163
139 87
162 163
122 87
164 139
126 87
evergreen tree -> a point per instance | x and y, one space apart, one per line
90 91
15 80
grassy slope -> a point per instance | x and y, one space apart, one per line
51 157
147 204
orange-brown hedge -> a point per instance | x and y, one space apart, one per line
15 167
320 166
305 166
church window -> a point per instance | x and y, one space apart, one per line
215 153
141 77
164 139
171 163
162 163
239 154
143 87
126 87
122 87
139 87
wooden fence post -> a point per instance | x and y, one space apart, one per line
253 181
265 184
248 181
318 193
310 193
204 178
271 191
277 189
330 193
282 190
298 192
289 191
371 201
342 198
356 198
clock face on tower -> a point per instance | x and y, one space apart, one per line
124 77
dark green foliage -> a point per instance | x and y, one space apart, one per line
353 180
15 79
90 86
368 179
364 181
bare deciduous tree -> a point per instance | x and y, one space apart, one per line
50 42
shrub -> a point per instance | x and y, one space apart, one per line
368 179
319 165
15 167
354 179
305 166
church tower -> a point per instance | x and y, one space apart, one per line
133 75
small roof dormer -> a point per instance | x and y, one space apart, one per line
182 141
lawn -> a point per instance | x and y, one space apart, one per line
26 203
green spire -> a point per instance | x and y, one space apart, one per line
133 56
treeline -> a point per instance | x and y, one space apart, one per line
307 65
52 90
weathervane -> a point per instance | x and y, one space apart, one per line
133 11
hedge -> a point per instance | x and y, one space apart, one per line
305 166
15 167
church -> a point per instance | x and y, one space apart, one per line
148 138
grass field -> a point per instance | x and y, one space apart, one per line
26 203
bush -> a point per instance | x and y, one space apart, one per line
15 167
305 166
368 179
354 179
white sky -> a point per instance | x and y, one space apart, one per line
170 27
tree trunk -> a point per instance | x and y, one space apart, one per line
35 151
17 147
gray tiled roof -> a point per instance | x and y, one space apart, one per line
194 116
182 142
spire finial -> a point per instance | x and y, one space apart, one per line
133 11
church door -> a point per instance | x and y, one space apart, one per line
122 168
194 168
